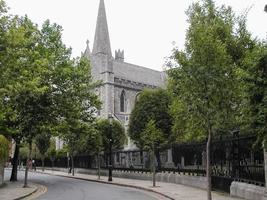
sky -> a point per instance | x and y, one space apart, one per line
147 30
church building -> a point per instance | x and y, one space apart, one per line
121 81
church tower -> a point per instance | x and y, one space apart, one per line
121 81
102 41
102 62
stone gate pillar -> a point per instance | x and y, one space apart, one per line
169 163
182 162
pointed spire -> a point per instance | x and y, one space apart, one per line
102 42
87 51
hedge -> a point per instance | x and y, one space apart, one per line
4 148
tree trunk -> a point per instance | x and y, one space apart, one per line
153 167
53 164
141 157
98 165
43 163
27 166
106 159
208 167
72 165
14 172
158 158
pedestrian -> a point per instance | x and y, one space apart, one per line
30 164
21 165
34 165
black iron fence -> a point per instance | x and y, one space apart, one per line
233 157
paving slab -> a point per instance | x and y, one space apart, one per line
15 190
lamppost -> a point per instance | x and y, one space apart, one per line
110 118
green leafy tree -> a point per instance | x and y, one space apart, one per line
4 149
152 138
52 154
111 134
23 86
93 144
42 142
205 83
118 136
77 104
151 105
256 82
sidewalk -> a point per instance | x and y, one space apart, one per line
173 191
15 191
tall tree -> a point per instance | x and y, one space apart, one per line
118 134
152 138
92 143
77 103
151 105
204 84
42 141
22 73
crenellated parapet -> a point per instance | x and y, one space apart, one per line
119 55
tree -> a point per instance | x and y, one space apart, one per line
77 103
4 147
151 105
52 153
117 137
42 142
93 144
152 139
41 86
204 84
118 134
23 72
256 92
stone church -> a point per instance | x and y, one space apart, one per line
121 81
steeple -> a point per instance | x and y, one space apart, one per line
87 50
102 42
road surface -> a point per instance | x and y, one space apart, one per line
60 188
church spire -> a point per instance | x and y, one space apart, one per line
102 42
87 50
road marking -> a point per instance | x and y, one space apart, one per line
40 191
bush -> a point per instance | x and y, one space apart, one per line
61 153
4 148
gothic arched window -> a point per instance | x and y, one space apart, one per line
137 97
123 102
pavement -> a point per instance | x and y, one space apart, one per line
15 190
167 190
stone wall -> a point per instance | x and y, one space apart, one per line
247 191
193 181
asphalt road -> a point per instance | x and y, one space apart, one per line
60 188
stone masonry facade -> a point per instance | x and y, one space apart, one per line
121 81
